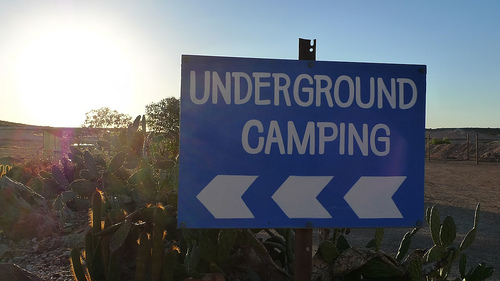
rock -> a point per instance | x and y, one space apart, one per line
13 272
321 270
3 249
24 213
14 200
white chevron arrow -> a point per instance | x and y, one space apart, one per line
297 197
222 196
371 197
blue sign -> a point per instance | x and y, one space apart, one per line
267 143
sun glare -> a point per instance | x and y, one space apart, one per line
72 71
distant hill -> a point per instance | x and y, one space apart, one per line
461 133
11 124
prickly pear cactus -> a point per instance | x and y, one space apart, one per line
447 232
328 251
432 264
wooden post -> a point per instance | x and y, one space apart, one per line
429 147
302 267
468 149
477 149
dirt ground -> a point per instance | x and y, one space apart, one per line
456 187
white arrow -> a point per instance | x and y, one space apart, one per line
222 196
371 197
297 197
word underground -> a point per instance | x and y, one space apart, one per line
304 91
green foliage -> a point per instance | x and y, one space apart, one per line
163 116
163 120
444 140
104 117
28 170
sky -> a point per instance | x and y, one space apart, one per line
62 59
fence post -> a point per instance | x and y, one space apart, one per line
467 158
477 149
429 147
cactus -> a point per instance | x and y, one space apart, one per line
405 244
481 272
59 177
91 164
76 265
116 162
468 239
225 243
471 235
290 245
83 188
328 251
97 268
444 250
157 246
143 256
114 272
63 199
415 270
96 211
434 264
119 236
207 241
377 241
280 245
447 232
169 265
342 243
192 260
434 225
89 245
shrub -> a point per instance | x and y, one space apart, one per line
444 140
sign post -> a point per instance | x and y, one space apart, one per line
302 267
301 144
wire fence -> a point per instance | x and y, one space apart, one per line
472 147
19 144
25 143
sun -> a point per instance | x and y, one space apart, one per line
67 72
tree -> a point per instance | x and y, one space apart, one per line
163 116
104 117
